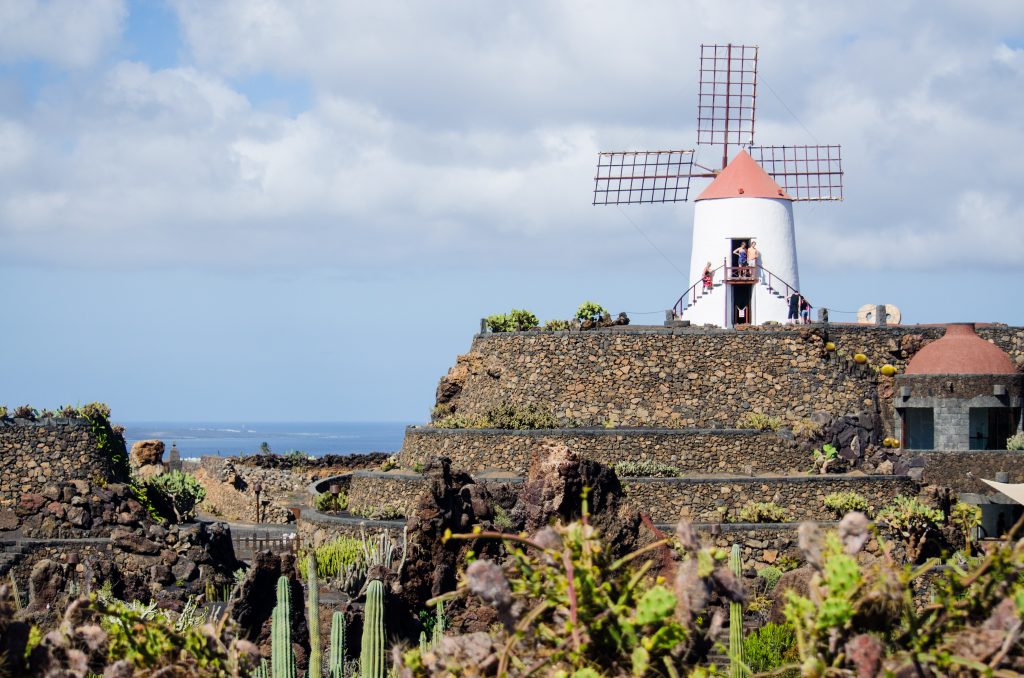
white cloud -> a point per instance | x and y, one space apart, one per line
69 33
443 133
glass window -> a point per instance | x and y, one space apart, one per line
919 428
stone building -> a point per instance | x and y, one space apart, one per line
958 393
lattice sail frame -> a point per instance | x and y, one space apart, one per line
804 172
637 177
727 95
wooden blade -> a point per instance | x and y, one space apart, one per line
727 95
635 177
804 172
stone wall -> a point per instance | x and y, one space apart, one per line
682 377
315 528
694 451
34 454
665 500
230 492
960 471
654 377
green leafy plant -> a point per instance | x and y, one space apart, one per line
841 503
390 464
589 310
770 647
557 325
646 469
516 320
3 411
967 518
175 495
383 512
912 521
502 520
758 422
1016 441
584 610
762 512
331 503
769 576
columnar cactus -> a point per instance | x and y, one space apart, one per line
736 665
337 668
281 655
261 671
438 634
371 657
313 617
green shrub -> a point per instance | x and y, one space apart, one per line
3 411
385 512
967 518
557 325
759 422
335 555
519 417
911 520
762 512
25 412
1015 442
328 502
502 519
516 320
841 503
646 469
175 495
770 576
770 647
588 310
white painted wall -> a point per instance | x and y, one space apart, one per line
769 221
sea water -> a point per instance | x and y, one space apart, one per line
195 439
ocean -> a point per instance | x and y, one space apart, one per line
195 439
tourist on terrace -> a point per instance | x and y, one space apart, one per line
708 278
753 254
741 253
794 308
805 310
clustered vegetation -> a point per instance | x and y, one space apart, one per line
759 422
174 495
1015 442
505 416
762 512
330 502
841 503
588 315
646 469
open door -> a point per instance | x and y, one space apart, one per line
742 305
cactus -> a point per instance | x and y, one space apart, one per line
371 657
313 617
424 645
438 634
736 667
261 671
282 657
337 667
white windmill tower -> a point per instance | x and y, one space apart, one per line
751 197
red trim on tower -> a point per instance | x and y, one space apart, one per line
743 178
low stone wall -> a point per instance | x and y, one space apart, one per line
665 500
315 528
370 491
694 451
34 454
230 494
760 544
712 500
960 471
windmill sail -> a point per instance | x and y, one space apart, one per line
635 177
804 172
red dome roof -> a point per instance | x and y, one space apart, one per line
961 351
743 178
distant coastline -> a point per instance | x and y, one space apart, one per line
227 438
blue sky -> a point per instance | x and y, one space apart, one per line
258 210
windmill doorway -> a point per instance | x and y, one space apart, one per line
742 306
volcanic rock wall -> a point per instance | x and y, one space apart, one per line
34 454
686 377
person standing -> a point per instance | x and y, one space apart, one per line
805 310
708 278
753 254
794 308
741 256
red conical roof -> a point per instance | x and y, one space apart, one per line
960 351
743 178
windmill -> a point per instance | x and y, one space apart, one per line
750 197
